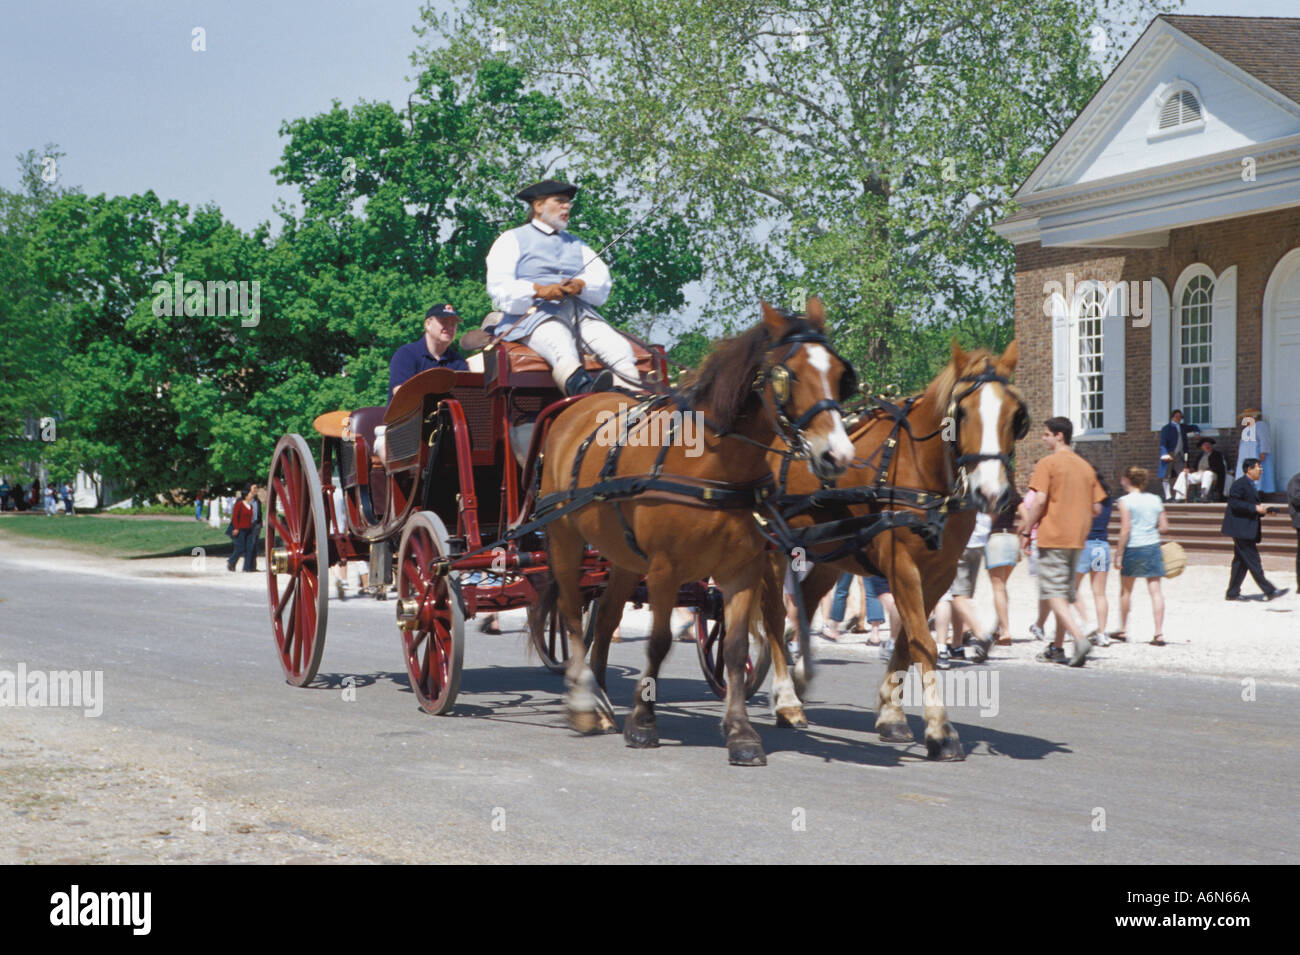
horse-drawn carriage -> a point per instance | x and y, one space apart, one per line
460 453
484 498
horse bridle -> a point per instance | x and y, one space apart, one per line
781 378
1019 425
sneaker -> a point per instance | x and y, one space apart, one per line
945 658
1100 639
979 650
887 650
1053 654
1036 632
1082 647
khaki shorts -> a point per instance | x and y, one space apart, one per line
1056 571
968 569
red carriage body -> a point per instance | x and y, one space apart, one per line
461 450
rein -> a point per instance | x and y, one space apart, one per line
855 532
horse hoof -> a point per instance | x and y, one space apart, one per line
746 752
895 733
641 737
606 724
948 749
791 719
585 724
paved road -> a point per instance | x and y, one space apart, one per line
1184 769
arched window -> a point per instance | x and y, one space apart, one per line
1086 361
1194 345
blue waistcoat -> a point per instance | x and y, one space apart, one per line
544 259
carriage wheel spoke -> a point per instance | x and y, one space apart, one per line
289 588
280 529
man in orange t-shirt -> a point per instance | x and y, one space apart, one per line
1067 500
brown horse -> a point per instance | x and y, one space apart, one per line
779 378
969 414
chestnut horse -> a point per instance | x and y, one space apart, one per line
969 415
780 378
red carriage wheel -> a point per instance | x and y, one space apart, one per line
552 643
429 614
710 628
297 558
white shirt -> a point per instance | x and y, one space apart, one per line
514 296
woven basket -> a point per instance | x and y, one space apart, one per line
1174 557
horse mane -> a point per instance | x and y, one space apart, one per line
724 381
940 389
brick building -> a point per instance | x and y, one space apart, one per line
1158 248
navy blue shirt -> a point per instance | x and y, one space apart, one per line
1101 522
409 360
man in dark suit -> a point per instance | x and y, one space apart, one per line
1241 523
1293 501
1174 445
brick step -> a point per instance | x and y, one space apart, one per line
1196 527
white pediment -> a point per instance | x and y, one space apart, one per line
1117 133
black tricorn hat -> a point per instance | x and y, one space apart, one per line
547 187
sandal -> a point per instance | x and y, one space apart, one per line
1120 635
489 626
1159 640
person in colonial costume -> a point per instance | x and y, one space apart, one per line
1255 443
547 283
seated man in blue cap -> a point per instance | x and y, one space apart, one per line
547 282
434 350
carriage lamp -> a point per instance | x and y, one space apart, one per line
408 612
279 561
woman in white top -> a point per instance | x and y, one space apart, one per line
1142 521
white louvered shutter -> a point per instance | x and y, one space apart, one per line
1223 359
1060 357
1113 329
1160 353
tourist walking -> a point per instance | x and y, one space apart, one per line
241 519
1137 553
1241 523
1068 498
1293 502
1001 554
1095 562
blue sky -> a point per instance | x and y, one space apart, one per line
118 87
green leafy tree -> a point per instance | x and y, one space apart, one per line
33 326
859 151
162 393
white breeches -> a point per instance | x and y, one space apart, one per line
554 341
1205 479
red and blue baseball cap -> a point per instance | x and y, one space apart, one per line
441 311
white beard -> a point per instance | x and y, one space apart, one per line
553 220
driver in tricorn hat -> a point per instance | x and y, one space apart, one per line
547 283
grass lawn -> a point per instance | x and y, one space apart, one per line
120 536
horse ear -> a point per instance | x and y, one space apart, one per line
815 312
958 356
773 320
1011 357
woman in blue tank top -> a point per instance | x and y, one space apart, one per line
1142 521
